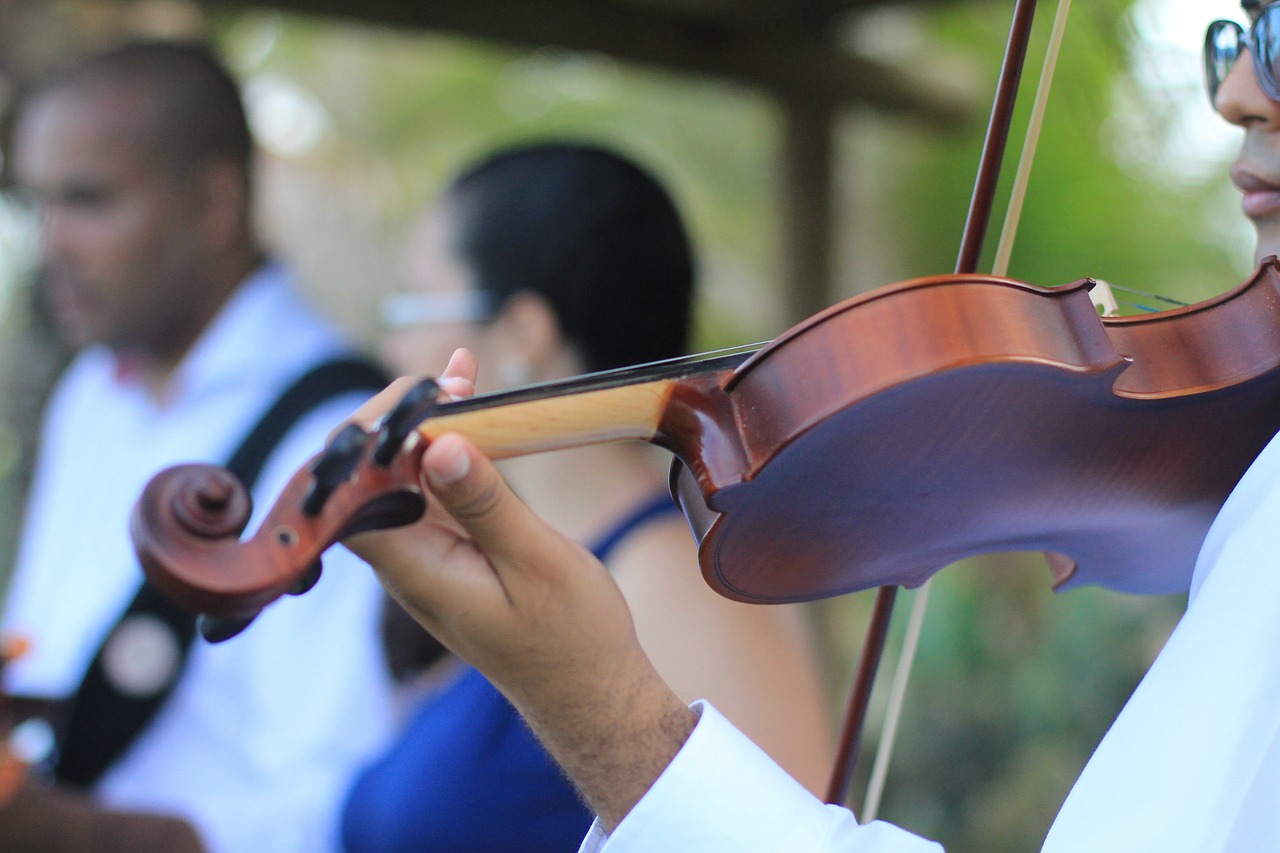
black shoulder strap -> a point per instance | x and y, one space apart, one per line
317 386
139 663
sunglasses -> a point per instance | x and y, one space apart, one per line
1224 41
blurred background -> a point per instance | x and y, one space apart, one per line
818 150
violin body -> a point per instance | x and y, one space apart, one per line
1110 443
874 444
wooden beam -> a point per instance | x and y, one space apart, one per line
810 15
779 62
806 161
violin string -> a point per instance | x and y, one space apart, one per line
1168 300
1138 306
672 368
920 603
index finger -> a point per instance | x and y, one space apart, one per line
457 380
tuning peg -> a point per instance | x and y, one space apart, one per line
334 467
307 580
413 409
218 629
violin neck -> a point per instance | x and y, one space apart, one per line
556 423
617 405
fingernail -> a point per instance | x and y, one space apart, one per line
454 386
450 465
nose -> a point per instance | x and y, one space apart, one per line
1241 101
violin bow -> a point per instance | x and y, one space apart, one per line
1000 267
975 230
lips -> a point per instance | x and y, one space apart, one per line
1261 196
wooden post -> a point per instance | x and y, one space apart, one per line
806 204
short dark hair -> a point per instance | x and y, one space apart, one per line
197 111
589 231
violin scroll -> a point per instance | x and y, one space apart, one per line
187 523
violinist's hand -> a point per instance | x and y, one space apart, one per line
534 611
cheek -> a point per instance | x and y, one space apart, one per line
99 264
122 244
137 275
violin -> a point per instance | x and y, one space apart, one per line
874 444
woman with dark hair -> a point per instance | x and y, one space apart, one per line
548 261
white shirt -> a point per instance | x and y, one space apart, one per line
1193 761
262 733
1191 765
722 794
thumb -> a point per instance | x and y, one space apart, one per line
469 488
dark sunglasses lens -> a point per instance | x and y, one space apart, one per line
1222 44
1266 37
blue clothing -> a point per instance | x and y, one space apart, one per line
655 508
467 776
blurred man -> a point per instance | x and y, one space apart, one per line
194 346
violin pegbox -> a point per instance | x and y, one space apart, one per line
187 524
414 407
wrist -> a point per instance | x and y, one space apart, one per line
617 743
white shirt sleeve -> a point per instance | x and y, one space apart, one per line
1192 764
722 793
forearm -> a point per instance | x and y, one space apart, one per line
538 615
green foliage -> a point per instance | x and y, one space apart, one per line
1012 690
1089 211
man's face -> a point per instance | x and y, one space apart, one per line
1256 171
118 235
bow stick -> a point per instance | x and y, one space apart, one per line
1000 267
975 230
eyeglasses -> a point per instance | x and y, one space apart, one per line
407 309
1224 41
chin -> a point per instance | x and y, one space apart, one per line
74 336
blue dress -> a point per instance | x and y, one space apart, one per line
467 776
